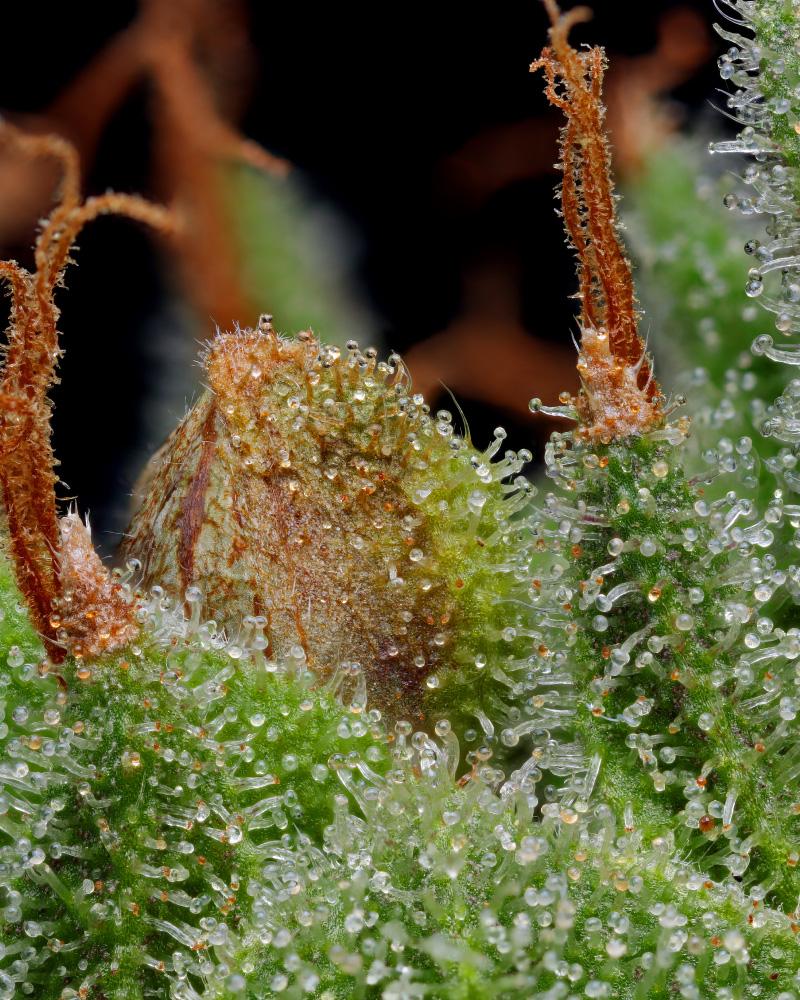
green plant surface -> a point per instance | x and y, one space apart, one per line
141 796
763 71
681 684
691 270
691 265
596 793
145 862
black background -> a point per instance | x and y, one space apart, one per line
366 101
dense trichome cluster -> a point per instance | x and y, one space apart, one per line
361 719
762 70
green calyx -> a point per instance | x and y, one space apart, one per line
680 681
314 491
145 797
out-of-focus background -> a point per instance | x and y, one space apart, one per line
417 213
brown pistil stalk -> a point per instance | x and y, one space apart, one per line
30 356
620 396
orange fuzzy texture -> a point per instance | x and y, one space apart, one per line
95 615
619 396
301 525
27 463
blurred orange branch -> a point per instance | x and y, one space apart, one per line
196 55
